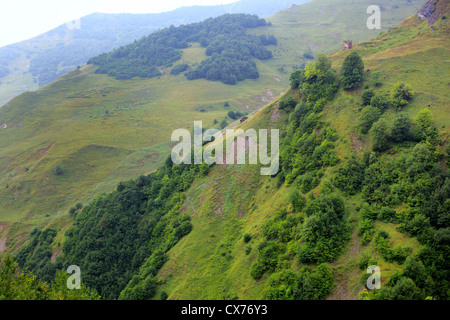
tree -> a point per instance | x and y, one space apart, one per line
376 79
401 130
426 130
367 97
320 81
380 136
401 94
296 78
288 102
369 115
380 102
352 71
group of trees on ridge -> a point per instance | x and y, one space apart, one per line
230 51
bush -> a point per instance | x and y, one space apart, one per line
256 271
287 103
58 170
247 238
179 68
380 102
369 115
296 78
380 136
376 79
367 97
401 94
352 71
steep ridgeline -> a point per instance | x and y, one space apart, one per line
229 48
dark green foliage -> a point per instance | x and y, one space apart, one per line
234 114
380 102
296 78
352 71
163 295
401 94
223 123
281 228
268 252
36 255
349 177
288 103
380 136
376 81
58 170
397 253
425 128
320 81
387 215
179 68
325 231
366 97
401 129
297 201
229 48
306 285
130 230
16 284
369 115
247 238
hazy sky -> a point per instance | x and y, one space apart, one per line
24 19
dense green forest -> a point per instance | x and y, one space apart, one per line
229 48
118 233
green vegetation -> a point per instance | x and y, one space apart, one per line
17 285
130 230
352 71
342 200
229 48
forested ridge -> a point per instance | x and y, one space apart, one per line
230 51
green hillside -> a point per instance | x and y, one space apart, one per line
214 261
33 63
106 131
357 184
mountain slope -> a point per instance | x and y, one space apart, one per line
214 261
105 130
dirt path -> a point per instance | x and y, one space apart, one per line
188 200
347 278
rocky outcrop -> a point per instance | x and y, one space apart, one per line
430 10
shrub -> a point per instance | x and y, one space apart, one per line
401 94
352 71
58 170
380 102
367 97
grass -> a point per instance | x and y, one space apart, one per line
196 269
127 121
101 131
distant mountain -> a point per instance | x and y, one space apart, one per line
33 63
